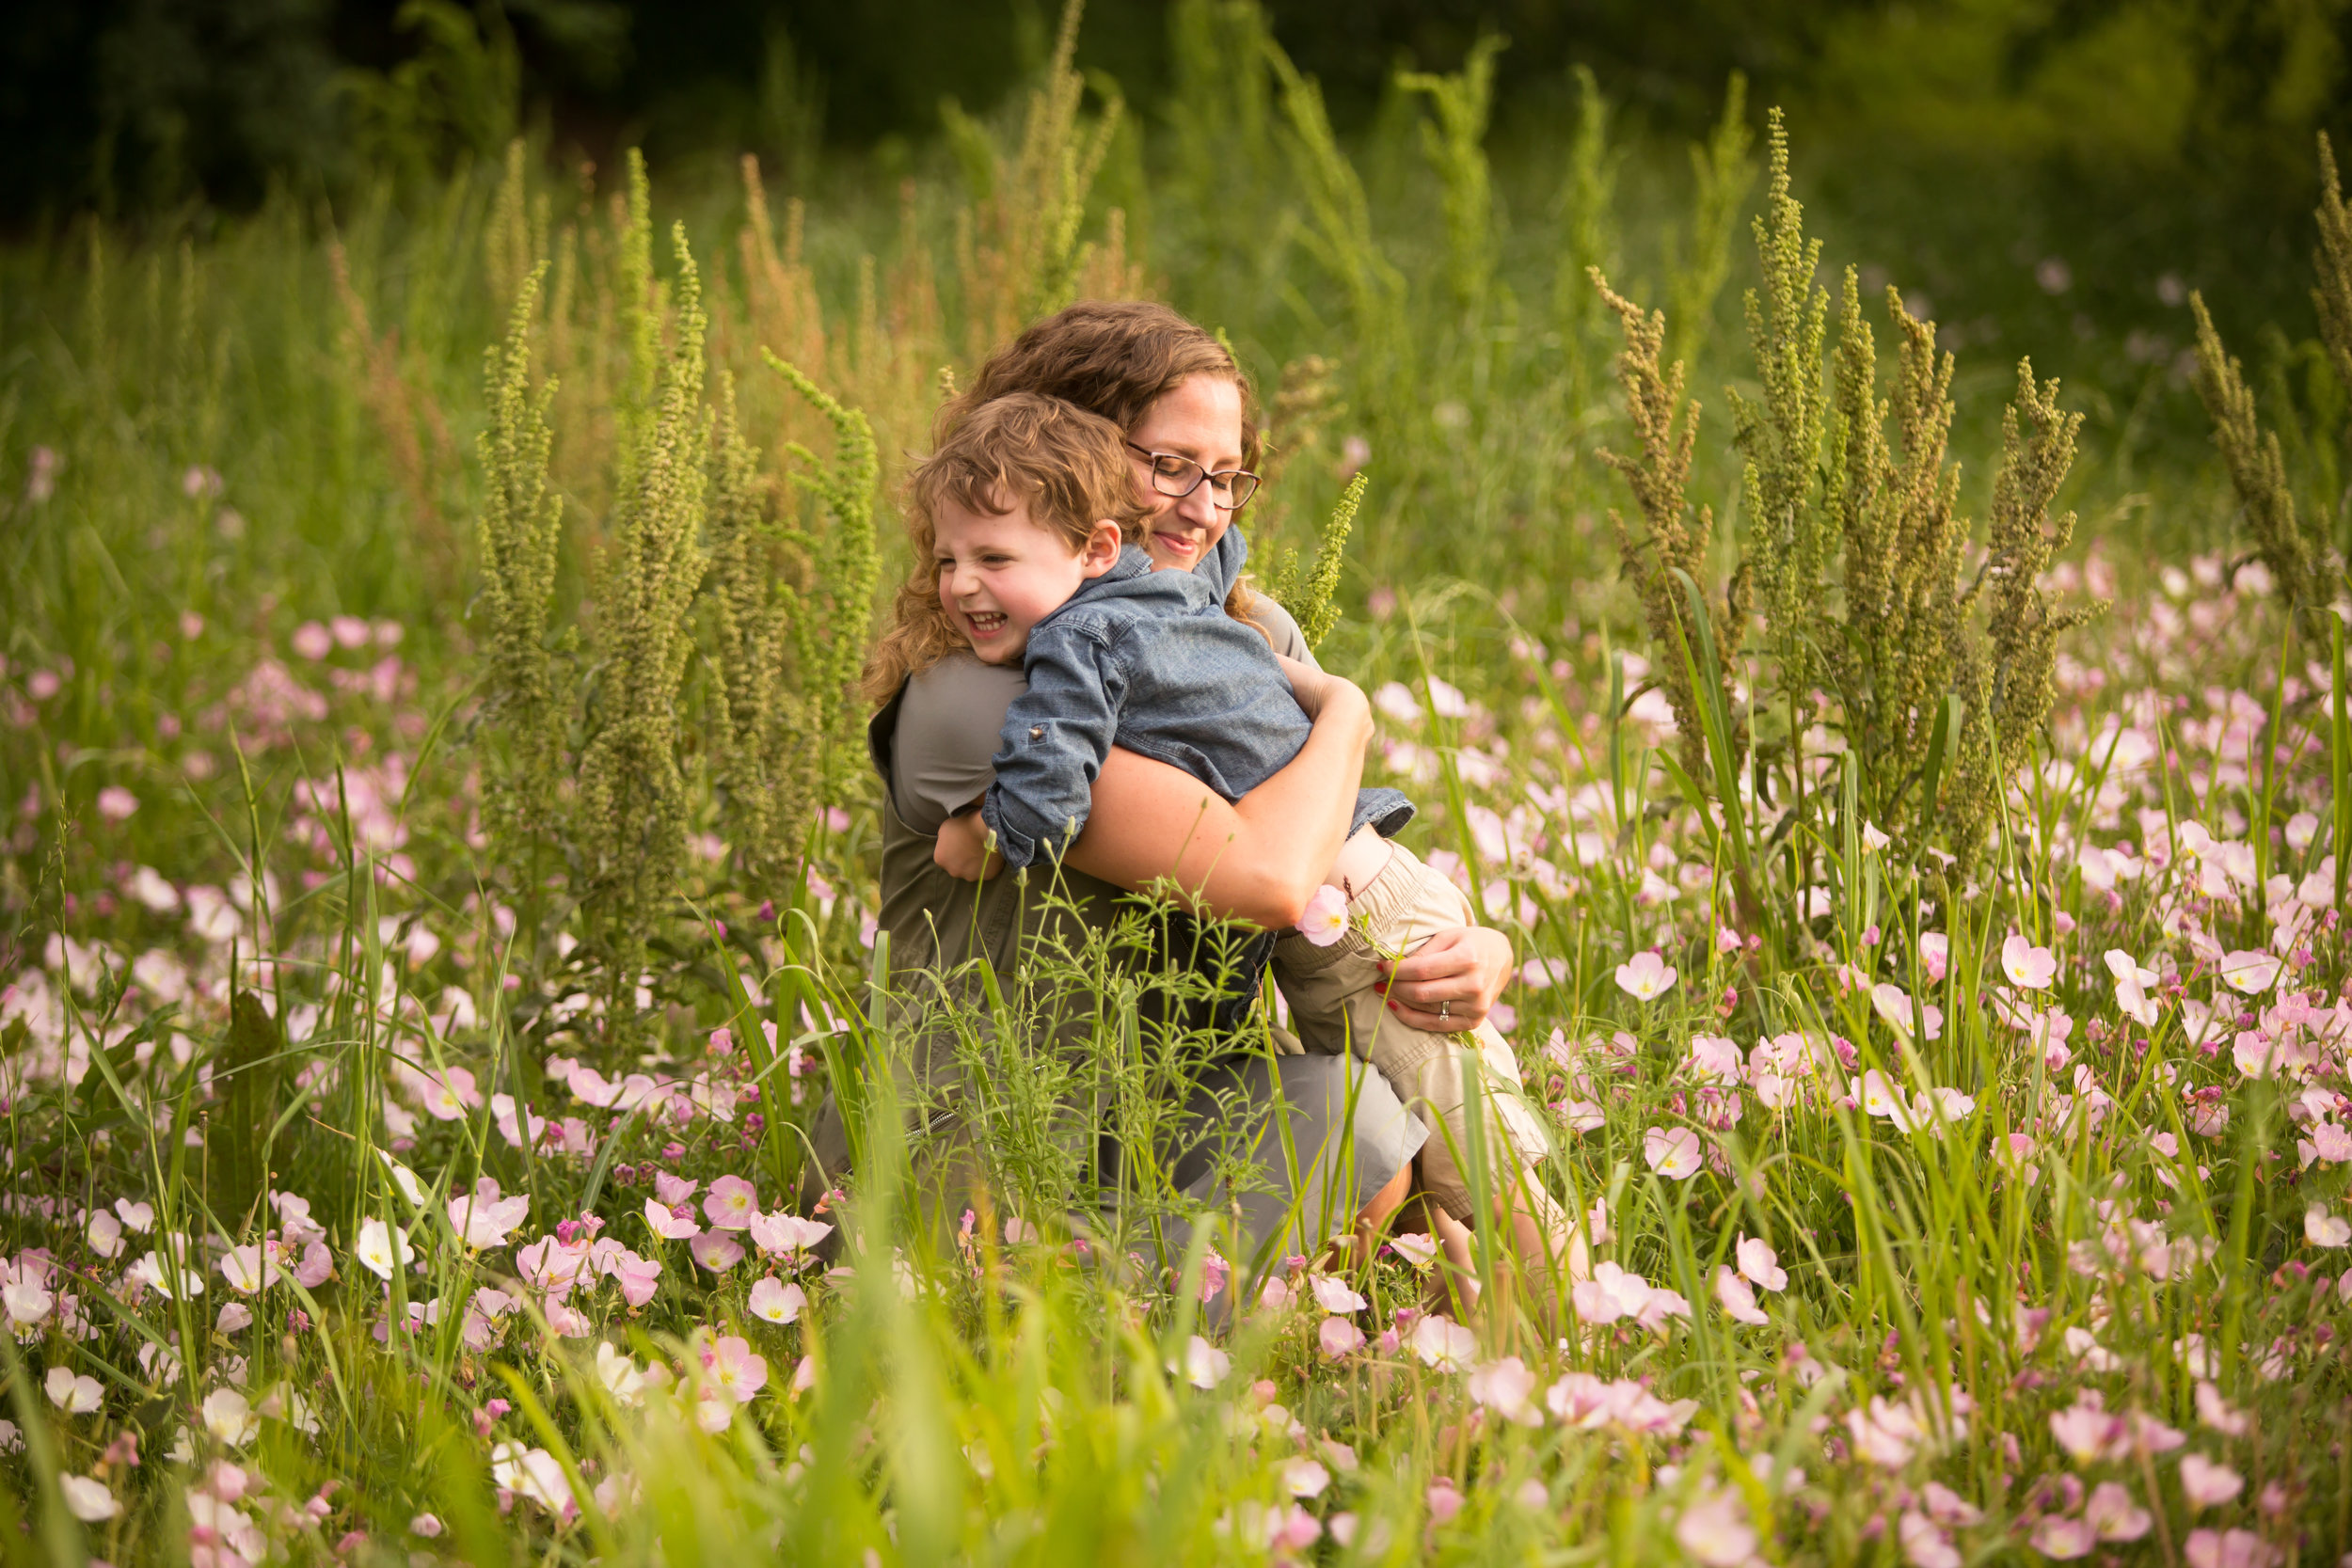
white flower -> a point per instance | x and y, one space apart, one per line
229 1418
382 1248
75 1396
87 1500
1443 1343
1304 1478
1205 1366
404 1179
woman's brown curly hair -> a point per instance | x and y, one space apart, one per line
1067 465
1113 358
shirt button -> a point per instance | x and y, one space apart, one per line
1037 732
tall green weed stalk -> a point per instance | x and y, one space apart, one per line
2292 540
1853 562
632 817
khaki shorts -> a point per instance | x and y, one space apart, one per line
1336 1009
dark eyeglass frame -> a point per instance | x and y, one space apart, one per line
1233 478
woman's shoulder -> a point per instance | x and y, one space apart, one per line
959 681
1280 628
951 718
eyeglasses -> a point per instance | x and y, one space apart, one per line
1178 477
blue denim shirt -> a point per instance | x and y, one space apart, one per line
1148 661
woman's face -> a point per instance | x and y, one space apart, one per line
1199 419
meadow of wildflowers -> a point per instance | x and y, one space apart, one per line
406 1119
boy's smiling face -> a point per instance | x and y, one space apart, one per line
1001 574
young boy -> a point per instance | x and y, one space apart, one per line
1036 567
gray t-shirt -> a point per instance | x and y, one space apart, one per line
953 720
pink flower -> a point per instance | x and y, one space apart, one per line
638 1277
2084 1429
668 1227
2113 1516
2029 967
672 1190
1504 1387
732 1369
1672 1153
715 1252
2324 1229
1935 955
2063 1539
1646 976
2238 1548
1760 1264
733 1203
1214 1271
1338 1337
1925 1545
1325 920
1444 1501
1715 1528
2251 972
778 1301
1417 1249
1714 1059
1334 1295
1443 1343
1736 1297
312 640
483 1219
115 804
782 1235
2206 1483
2214 1411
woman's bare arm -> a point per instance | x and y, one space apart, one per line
1259 860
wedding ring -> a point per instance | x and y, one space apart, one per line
1445 1012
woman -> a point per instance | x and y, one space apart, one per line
1184 404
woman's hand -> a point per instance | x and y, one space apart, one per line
1465 968
1309 685
964 850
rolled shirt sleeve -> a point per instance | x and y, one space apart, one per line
1056 736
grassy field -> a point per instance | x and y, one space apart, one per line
440 866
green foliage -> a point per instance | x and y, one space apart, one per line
631 821
1781 437
516 543
460 94
1673 540
1723 173
252 1064
845 569
1460 104
765 760
1314 603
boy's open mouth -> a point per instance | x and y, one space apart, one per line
985 622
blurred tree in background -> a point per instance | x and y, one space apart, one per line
2126 144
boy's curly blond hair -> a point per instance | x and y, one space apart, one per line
1067 467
